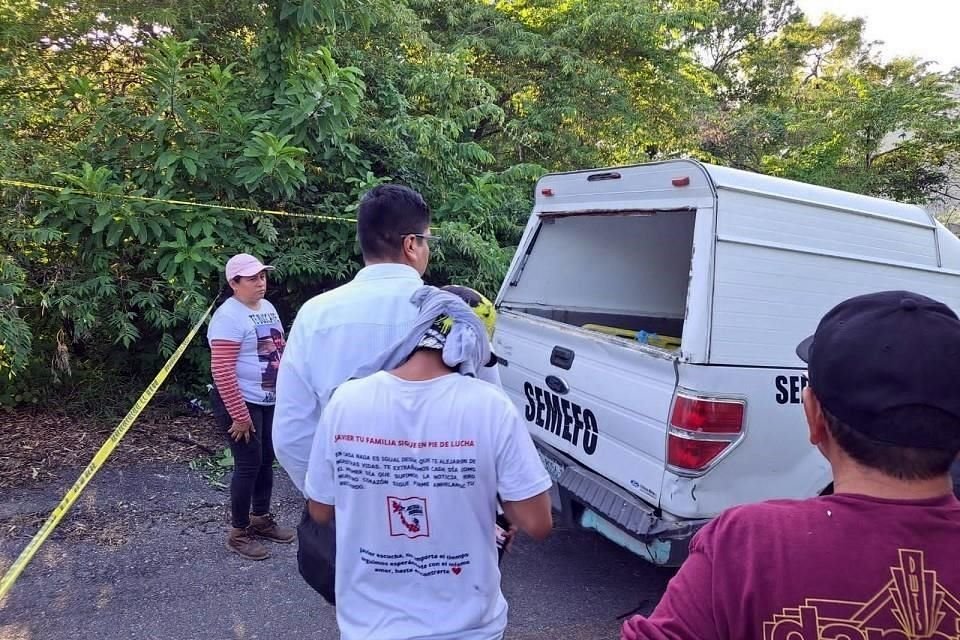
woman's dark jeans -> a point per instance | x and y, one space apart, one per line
252 482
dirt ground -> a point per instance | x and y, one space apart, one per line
39 444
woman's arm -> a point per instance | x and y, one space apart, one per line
223 366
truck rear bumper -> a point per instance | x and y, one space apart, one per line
589 501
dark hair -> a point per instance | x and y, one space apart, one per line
388 212
903 463
226 292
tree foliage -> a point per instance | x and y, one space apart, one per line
302 105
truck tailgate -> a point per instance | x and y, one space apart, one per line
601 400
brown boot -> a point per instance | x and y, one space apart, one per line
245 544
267 528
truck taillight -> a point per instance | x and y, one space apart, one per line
692 455
707 415
702 428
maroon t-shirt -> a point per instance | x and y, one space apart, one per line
842 567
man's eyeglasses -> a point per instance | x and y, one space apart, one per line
428 237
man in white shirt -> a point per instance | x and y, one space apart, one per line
338 331
345 328
411 461
342 329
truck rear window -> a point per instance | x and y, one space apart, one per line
618 273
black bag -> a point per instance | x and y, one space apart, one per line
317 555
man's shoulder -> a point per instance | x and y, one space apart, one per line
357 388
776 521
483 391
354 298
322 309
378 379
320 302
472 393
769 509
475 397
356 393
772 518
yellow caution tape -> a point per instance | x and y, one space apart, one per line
101 457
108 447
182 203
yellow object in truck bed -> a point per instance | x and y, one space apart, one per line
654 339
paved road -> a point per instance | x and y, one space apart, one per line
142 557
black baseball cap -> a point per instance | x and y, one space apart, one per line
887 365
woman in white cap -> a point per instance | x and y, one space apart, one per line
246 343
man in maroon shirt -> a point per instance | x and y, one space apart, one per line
879 558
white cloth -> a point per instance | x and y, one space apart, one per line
413 470
466 348
333 335
260 335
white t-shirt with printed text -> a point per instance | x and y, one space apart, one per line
261 339
413 470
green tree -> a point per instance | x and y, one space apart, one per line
579 83
273 106
881 129
302 105
813 103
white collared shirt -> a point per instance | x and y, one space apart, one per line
333 334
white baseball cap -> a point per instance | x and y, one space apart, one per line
244 264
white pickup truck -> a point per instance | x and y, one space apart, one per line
647 325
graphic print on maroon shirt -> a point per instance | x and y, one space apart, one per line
840 567
912 605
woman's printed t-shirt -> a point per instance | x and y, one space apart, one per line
261 339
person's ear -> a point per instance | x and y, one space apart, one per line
816 420
409 248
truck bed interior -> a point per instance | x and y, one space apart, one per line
617 273
650 324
